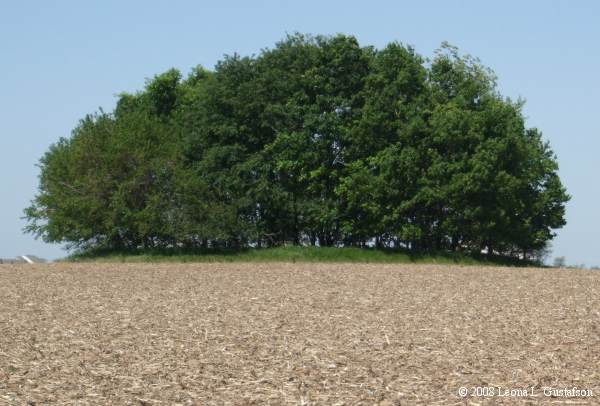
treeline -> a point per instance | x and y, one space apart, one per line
318 141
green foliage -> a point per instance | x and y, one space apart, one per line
293 254
316 142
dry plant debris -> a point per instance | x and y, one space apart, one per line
304 334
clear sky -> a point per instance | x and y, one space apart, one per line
60 60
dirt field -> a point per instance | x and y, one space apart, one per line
242 334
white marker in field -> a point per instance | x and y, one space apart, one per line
27 259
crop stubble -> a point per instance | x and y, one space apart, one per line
294 333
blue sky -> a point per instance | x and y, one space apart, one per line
60 60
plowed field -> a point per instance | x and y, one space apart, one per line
196 334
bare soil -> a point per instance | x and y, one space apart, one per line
204 334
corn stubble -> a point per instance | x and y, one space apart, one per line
282 333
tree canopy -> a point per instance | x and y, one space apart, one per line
316 141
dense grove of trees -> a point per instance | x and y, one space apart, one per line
317 141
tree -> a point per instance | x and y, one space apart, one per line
560 262
316 141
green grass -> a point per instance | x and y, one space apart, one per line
293 254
